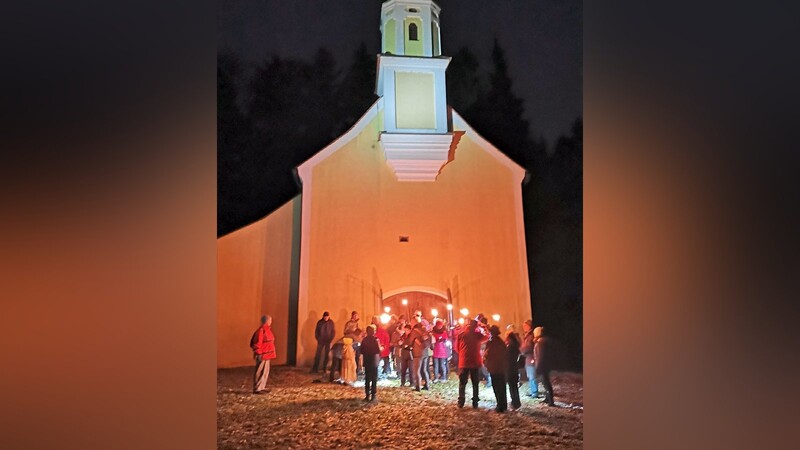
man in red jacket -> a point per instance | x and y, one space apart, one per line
470 360
263 345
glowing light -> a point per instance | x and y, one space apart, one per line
496 317
461 321
385 318
387 309
449 307
464 312
404 302
435 312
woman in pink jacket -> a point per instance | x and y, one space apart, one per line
440 350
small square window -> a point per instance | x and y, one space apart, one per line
403 238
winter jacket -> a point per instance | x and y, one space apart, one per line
542 354
370 349
353 331
494 356
264 343
512 353
416 341
527 348
383 338
325 331
469 347
439 342
337 349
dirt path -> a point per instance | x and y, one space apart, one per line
299 413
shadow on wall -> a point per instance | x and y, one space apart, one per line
306 342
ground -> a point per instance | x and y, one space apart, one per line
301 412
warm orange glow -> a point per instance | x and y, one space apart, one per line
387 309
449 307
435 312
385 318
405 301
461 321
496 317
464 312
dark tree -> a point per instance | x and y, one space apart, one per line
554 228
357 91
233 149
464 86
498 113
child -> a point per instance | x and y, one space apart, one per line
495 359
370 351
336 363
348 362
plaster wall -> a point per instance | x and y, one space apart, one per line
463 235
253 278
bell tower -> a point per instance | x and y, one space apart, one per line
415 137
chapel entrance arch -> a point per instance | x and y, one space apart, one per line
418 299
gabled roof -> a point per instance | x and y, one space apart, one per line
459 124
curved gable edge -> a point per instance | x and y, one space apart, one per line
304 169
459 122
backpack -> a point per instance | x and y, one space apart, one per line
254 338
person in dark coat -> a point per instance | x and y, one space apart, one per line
495 360
370 351
415 341
324 333
512 368
470 360
405 357
543 359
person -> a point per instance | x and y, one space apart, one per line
454 336
336 360
512 329
439 335
354 332
426 342
370 350
484 372
543 361
263 345
382 335
396 344
527 349
415 343
512 368
324 333
469 360
348 362
495 362
405 357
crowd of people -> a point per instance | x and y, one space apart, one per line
419 353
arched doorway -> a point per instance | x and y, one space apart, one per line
416 300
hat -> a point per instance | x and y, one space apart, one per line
538 331
494 330
326 313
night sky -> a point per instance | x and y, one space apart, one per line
543 41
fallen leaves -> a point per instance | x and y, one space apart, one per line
299 413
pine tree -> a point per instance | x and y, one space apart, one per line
356 93
464 86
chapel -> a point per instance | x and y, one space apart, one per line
410 209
